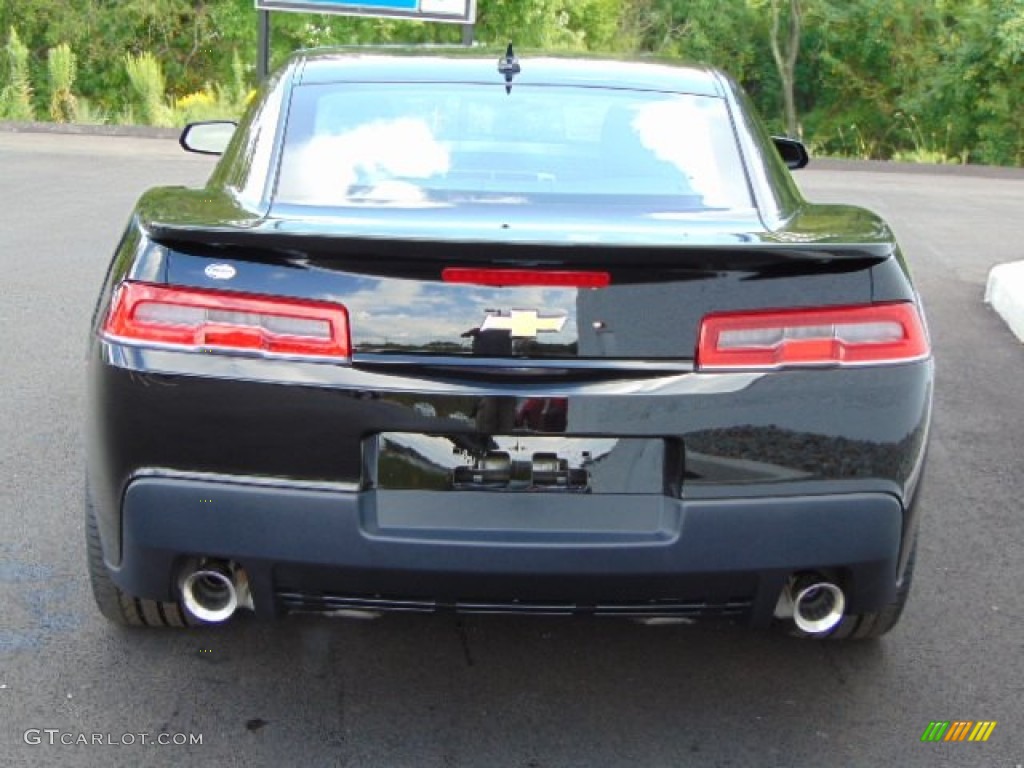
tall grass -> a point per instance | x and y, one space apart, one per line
216 102
62 69
149 89
926 148
16 95
152 106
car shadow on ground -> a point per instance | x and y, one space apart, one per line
430 689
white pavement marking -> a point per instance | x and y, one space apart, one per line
1005 292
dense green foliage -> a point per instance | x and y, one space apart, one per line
931 80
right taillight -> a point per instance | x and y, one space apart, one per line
870 334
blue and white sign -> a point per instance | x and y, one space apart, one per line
454 11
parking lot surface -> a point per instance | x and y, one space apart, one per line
458 691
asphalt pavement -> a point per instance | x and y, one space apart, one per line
528 693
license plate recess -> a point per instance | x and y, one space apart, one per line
517 463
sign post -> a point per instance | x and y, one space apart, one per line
449 11
263 47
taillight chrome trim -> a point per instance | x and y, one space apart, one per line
913 346
123 326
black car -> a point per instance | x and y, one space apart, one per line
500 334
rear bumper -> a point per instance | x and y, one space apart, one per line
320 548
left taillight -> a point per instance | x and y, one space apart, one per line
870 334
202 320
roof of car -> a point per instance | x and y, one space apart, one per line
471 65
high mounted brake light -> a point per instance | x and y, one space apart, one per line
222 321
871 334
543 278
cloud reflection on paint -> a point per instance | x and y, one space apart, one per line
407 312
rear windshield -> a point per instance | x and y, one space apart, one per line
416 144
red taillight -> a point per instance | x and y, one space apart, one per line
532 277
198 319
872 334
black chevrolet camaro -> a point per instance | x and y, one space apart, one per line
495 334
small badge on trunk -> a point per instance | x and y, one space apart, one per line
220 271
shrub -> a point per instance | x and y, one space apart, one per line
149 87
16 95
62 69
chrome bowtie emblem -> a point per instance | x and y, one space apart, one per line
524 323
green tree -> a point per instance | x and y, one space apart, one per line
572 24
730 34
936 80
976 93
785 45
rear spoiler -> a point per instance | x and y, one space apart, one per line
558 234
733 252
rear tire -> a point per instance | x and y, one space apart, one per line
117 606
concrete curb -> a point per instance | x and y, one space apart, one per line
885 166
1005 292
134 131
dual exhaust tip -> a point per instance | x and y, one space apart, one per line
815 604
212 590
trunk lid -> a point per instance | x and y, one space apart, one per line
664 274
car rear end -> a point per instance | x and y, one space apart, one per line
466 358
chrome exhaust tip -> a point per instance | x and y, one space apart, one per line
212 591
818 605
